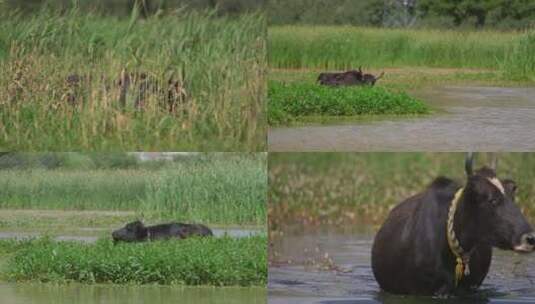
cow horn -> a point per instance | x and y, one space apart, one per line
493 161
469 163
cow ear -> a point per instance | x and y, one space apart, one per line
509 186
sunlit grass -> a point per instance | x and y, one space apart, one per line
203 261
341 47
219 61
222 190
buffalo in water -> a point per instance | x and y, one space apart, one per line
348 78
138 232
440 241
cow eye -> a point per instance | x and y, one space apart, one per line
494 201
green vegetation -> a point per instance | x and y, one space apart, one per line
218 62
357 188
221 188
286 102
342 47
203 261
413 79
53 222
146 7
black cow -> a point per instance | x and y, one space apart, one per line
138 232
440 241
348 78
370 79
353 77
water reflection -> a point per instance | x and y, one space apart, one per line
473 118
330 266
85 294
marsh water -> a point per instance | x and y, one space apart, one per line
466 118
105 294
333 266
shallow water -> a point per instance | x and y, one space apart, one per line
85 294
469 118
231 232
348 279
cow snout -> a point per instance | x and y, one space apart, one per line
530 239
527 243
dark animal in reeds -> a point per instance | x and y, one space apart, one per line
348 78
138 232
145 86
171 94
440 241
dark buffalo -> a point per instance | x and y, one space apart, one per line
141 85
440 241
348 78
353 77
138 232
370 79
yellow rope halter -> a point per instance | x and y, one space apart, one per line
462 267
462 260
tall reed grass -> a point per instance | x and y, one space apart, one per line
353 188
219 62
341 47
217 189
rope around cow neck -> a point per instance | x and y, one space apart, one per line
462 258
462 267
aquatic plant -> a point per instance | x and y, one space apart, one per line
288 101
203 261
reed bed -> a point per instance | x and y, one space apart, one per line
218 63
342 47
361 188
222 190
203 261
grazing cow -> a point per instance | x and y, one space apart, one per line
138 232
440 240
348 78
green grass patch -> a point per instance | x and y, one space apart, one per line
203 261
219 61
342 47
289 101
216 189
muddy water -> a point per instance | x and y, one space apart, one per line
333 267
468 118
233 232
85 294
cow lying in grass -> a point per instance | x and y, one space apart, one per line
138 232
348 78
